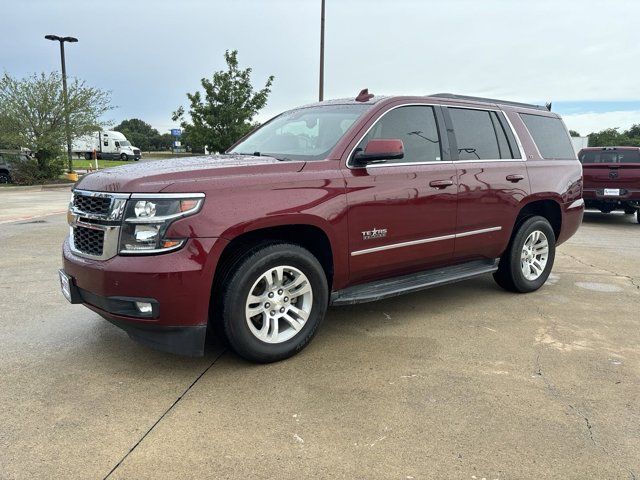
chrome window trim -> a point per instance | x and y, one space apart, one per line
424 240
436 162
523 155
407 164
350 167
513 130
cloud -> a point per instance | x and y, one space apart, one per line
586 123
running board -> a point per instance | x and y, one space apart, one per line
391 287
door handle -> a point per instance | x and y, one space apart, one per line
440 183
515 178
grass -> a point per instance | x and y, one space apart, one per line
84 164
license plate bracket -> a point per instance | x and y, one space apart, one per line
66 286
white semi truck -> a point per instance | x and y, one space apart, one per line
108 145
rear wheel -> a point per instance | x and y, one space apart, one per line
629 210
87 156
526 264
274 300
4 178
638 216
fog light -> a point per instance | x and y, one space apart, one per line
144 307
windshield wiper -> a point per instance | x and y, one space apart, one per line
258 154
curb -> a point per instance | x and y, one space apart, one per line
37 188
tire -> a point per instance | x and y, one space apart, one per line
87 156
4 178
270 335
124 157
511 271
638 216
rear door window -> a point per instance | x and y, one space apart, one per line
475 134
550 136
610 156
416 126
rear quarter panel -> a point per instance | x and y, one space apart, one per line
552 179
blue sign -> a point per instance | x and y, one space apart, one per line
176 132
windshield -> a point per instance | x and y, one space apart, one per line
125 143
610 156
303 134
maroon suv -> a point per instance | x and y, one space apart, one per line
612 179
335 203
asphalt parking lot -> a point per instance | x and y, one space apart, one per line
459 382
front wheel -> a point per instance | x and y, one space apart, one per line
527 263
274 300
124 157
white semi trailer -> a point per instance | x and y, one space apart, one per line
108 145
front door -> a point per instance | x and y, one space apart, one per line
402 213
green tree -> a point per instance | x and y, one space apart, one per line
634 131
573 133
32 113
606 137
161 142
138 132
224 112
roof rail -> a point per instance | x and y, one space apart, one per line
488 100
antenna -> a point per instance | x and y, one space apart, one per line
364 95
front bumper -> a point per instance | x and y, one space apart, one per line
177 284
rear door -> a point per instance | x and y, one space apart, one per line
492 180
402 212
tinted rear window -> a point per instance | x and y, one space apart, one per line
550 136
610 156
475 134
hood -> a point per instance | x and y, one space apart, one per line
193 173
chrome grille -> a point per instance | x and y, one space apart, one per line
95 219
92 204
88 240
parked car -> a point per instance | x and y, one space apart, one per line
339 202
7 162
612 179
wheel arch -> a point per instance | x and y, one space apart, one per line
308 235
547 208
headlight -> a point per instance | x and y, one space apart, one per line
147 218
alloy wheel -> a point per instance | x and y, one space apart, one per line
534 255
279 304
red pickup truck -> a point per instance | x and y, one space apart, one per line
334 203
612 179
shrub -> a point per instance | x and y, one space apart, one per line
31 171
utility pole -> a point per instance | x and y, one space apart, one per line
64 91
321 94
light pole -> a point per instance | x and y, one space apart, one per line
64 90
321 93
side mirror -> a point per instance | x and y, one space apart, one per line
379 150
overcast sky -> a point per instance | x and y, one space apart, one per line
583 55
